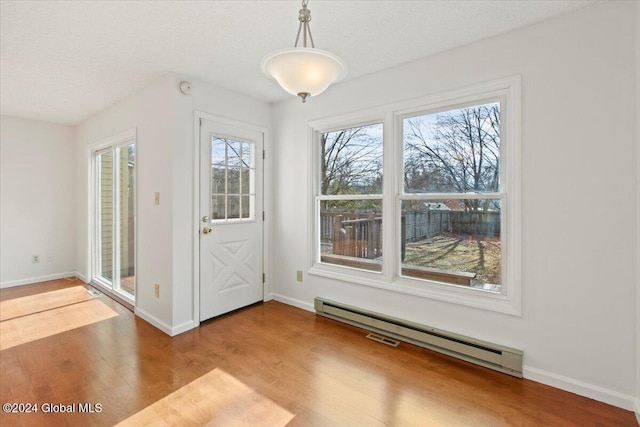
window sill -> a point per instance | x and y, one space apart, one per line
461 295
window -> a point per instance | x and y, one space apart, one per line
232 180
349 204
451 222
450 197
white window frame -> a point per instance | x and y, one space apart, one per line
316 129
508 92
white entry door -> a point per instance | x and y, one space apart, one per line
230 218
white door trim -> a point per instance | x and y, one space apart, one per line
198 116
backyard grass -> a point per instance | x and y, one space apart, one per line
475 254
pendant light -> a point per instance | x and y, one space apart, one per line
304 71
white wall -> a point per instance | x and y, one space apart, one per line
579 276
164 120
37 201
150 112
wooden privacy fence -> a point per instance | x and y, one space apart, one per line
419 225
352 234
359 235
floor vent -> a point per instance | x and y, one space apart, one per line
93 292
497 357
383 340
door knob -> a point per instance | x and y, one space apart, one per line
206 230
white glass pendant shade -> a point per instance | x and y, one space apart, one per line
304 70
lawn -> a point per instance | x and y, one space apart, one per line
445 251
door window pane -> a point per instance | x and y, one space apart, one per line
218 152
246 206
233 153
245 177
218 180
233 207
247 157
232 179
218 207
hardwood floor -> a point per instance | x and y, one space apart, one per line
267 365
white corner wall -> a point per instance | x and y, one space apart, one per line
164 123
37 201
150 113
579 171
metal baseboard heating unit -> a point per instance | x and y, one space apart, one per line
497 357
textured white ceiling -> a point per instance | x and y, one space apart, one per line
63 61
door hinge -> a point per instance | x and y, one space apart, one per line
263 215
264 278
263 154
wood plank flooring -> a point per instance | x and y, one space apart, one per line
267 365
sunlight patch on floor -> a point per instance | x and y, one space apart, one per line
31 304
28 328
348 393
216 398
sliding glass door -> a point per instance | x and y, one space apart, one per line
114 219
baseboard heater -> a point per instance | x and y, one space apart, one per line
493 356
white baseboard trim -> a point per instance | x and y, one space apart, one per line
81 276
268 297
637 410
294 302
183 327
171 331
581 388
154 321
31 280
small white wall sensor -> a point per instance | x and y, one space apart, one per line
185 87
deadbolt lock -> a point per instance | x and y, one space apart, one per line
205 219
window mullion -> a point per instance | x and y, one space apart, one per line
352 197
438 196
392 172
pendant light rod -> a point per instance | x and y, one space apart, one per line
304 17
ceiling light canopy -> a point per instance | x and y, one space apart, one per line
304 71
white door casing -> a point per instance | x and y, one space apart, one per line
230 220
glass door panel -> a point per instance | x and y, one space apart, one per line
105 216
115 214
126 218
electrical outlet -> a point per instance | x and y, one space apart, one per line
35 259
299 275
156 290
